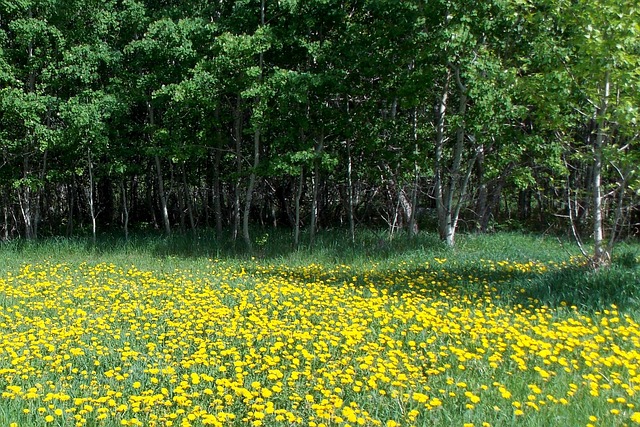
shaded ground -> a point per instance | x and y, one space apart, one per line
467 267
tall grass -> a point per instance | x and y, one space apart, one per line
502 330
577 285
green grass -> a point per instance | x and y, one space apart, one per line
573 286
577 286
504 329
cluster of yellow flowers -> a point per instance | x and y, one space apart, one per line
312 346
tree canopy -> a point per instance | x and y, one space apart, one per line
406 115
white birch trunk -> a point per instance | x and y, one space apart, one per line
601 255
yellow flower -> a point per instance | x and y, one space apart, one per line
420 397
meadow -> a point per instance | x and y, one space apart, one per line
504 330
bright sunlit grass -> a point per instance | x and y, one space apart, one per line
403 343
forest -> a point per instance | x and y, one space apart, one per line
443 115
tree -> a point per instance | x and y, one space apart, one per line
158 59
31 48
85 118
600 59
317 113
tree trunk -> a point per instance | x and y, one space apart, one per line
90 196
413 224
250 188
163 197
443 214
161 191
5 211
27 204
300 187
482 217
316 187
217 194
618 221
188 200
40 192
125 210
449 198
453 212
217 188
296 233
600 256
408 213
71 192
524 204
493 203
256 152
25 200
237 130
352 227
182 207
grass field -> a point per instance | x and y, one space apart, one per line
504 330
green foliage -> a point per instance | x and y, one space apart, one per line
188 81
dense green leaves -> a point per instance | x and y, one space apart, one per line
373 112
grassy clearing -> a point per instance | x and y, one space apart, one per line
503 330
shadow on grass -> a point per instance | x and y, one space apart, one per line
463 272
573 285
370 246
275 244
332 247
585 289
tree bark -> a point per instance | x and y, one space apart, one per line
25 201
443 222
125 210
256 152
296 233
413 223
319 149
163 197
91 198
600 256
482 217
618 221
217 193
453 212
449 198
352 227
188 200
5 211
217 188
71 192
250 188
408 211
161 190
237 130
